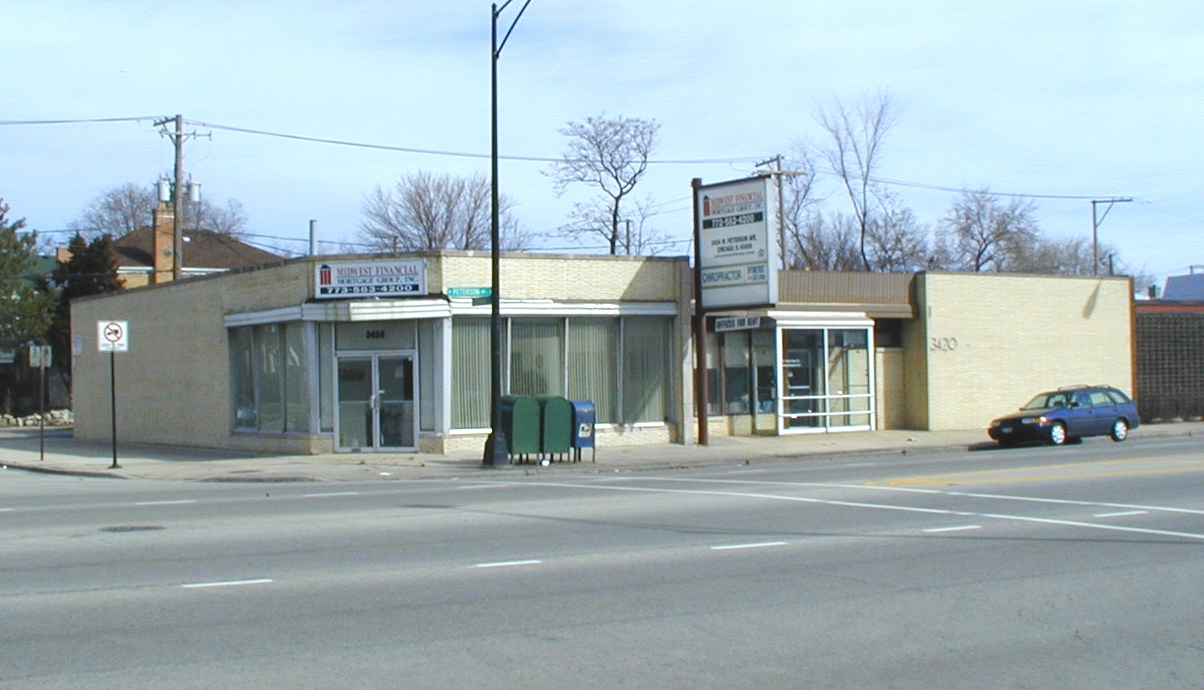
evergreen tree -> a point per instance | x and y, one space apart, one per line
91 269
26 309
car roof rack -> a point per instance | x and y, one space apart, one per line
1074 387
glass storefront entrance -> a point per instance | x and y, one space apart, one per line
827 379
376 402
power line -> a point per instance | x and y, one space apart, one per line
79 122
437 152
529 159
939 188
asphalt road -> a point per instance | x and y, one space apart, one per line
1074 567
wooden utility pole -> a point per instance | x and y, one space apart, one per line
177 192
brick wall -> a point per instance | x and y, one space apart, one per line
1170 365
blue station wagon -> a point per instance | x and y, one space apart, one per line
1069 413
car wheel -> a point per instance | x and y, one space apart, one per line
1057 434
1120 430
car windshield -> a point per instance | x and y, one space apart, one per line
1046 401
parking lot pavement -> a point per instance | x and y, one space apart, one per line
59 452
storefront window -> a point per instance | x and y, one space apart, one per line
593 349
764 368
326 376
471 397
268 378
536 357
621 365
242 378
646 357
296 395
737 378
714 382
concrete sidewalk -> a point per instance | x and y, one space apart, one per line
20 449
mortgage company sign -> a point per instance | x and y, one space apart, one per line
738 252
380 278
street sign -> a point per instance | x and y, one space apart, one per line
113 336
40 356
473 292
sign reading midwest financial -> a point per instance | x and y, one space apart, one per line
380 278
738 251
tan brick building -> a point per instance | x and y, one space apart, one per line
364 353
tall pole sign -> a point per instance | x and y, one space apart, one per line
737 243
113 337
735 259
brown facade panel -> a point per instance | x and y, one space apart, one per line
877 294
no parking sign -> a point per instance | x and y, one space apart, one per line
113 336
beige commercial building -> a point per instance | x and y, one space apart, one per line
372 353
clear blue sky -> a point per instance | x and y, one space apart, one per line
1052 98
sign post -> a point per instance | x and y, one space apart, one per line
113 337
40 358
735 259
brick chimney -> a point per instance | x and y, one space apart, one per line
163 228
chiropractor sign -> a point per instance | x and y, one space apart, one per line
737 240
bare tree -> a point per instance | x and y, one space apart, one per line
820 243
799 208
982 234
855 136
120 210
1070 256
896 241
117 211
610 154
426 211
230 219
636 233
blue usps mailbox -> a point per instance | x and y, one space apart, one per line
585 416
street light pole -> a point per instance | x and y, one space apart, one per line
497 450
1095 228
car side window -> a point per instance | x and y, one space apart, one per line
1117 397
1101 399
1082 400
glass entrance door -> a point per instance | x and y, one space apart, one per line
827 382
376 403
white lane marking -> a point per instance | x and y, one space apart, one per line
938 530
960 494
228 583
166 503
7 510
1123 513
507 564
758 545
331 493
880 506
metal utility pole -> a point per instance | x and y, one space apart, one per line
702 392
1095 223
497 448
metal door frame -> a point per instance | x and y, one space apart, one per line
374 357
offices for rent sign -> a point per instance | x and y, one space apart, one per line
738 251
379 278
